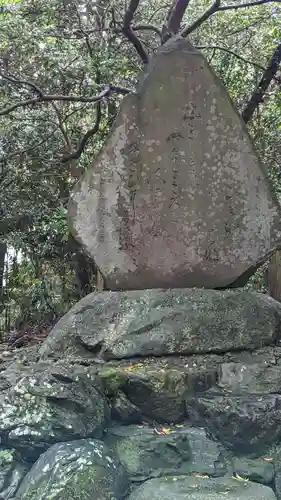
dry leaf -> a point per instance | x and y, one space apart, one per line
239 478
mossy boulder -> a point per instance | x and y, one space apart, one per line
79 470
158 387
118 325
147 452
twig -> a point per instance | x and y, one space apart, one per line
258 95
247 4
128 32
61 126
223 49
189 29
217 7
18 81
76 154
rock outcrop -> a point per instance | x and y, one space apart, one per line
154 423
177 197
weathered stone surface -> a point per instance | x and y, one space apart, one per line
123 410
246 425
117 325
177 198
50 406
148 452
80 470
250 378
277 470
196 488
259 470
12 471
157 387
145 454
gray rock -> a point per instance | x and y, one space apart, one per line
250 378
80 470
12 471
207 455
258 470
157 387
51 406
177 197
116 325
277 469
152 452
145 454
123 410
246 425
196 488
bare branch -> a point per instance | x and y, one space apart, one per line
76 154
258 95
247 4
128 32
147 27
217 7
18 81
67 98
189 29
61 126
174 19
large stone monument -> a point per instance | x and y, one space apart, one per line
159 394
177 197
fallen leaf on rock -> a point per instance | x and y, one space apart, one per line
164 430
239 478
133 367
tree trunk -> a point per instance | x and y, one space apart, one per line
274 276
83 267
3 250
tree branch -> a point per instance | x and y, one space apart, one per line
76 154
231 52
147 27
68 98
258 95
217 7
247 4
18 81
189 29
61 126
128 31
174 19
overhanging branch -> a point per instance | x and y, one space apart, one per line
189 29
247 4
67 98
129 33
